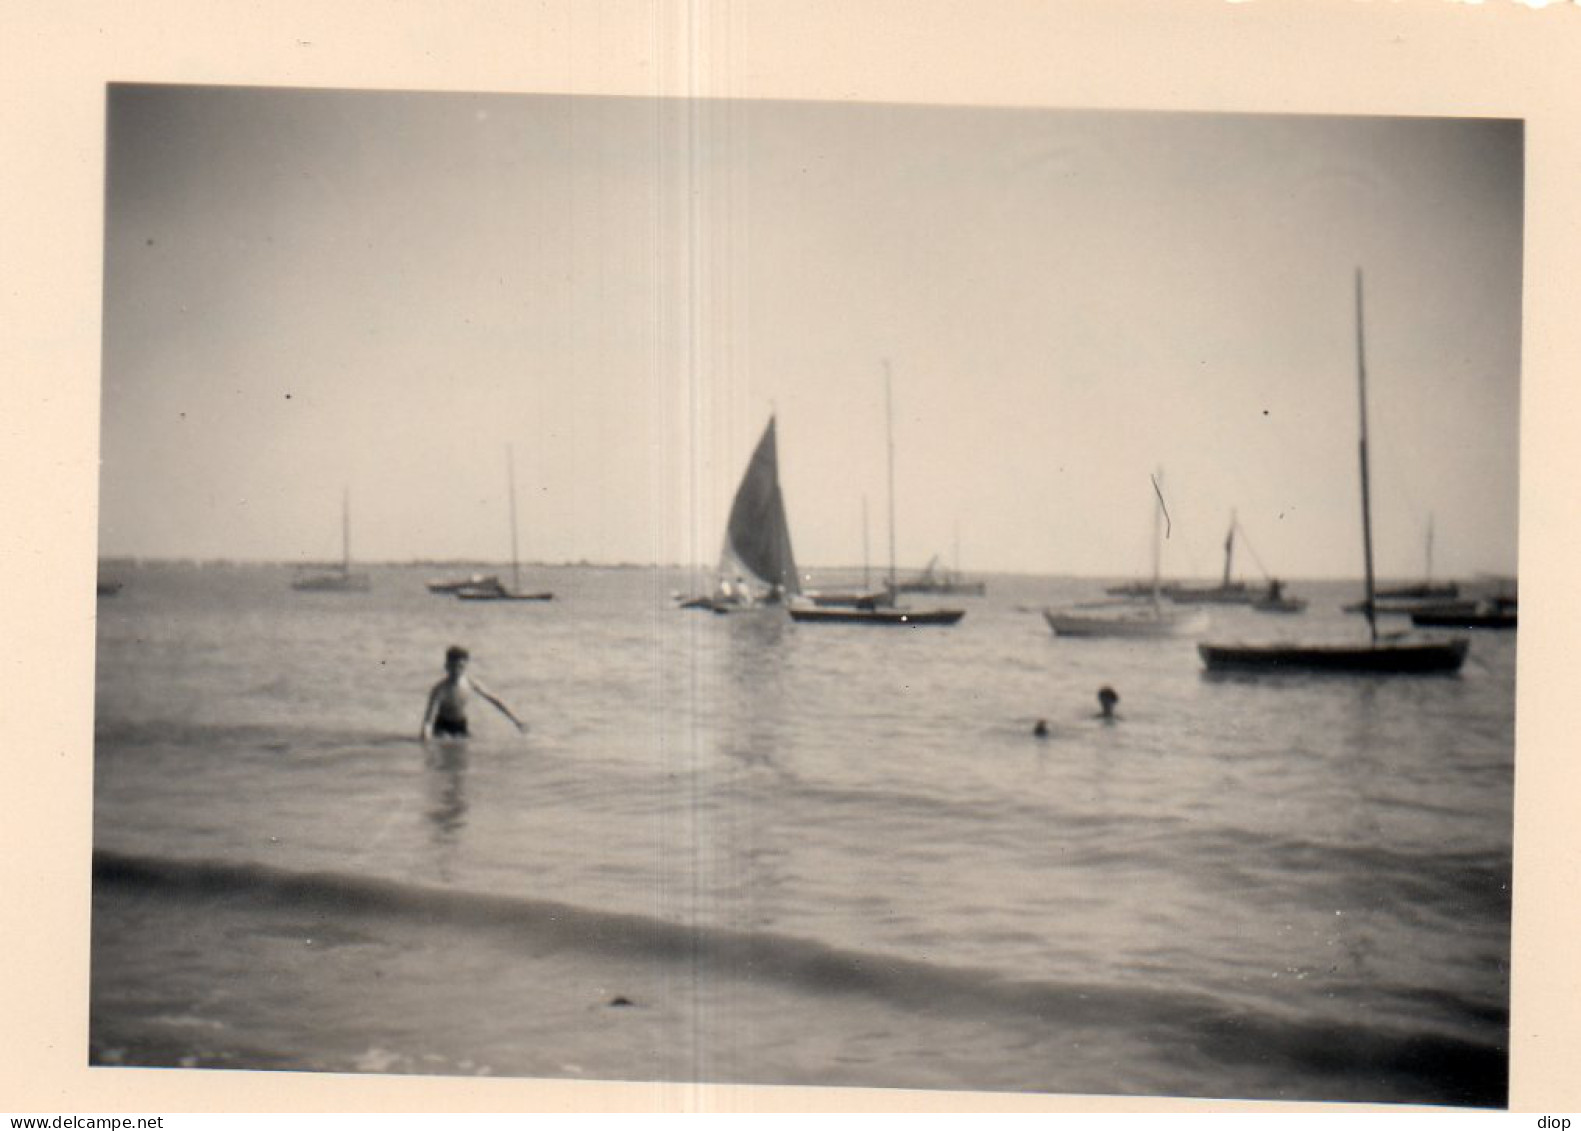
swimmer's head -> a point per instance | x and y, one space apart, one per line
456 657
1041 730
1107 699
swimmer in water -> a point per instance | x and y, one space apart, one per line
1041 730
446 714
1108 699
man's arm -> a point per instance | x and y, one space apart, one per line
428 714
503 709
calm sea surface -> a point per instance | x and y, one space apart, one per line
736 849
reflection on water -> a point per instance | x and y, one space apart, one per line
446 785
754 667
747 826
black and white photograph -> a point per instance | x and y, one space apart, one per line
874 591
788 593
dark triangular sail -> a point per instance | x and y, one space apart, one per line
758 536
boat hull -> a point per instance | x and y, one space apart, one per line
949 588
875 599
1428 592
1283 605
493 595
1143 624
1397 606
476 581
1217 595
723 605
1404 658
901 618
334 583
1458 618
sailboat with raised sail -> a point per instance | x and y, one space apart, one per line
1391 654
757 567
491 589
891 614
1142 620
336 578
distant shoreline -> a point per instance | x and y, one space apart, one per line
830 572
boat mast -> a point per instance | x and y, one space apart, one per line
1158 522
889 412
867 583
510 471
1366 486
1229 550
1428 580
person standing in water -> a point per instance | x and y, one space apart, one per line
446 714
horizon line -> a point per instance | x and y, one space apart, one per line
586 563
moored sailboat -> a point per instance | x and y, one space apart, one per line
336 578
491 588
1427 589
1227 592
932 579
452 586
850 598
1270 599
1276 600
1378 655
873 613
1150 619
1425 596
885 615
867 596
1130 620
1487 612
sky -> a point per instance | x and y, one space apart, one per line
311 293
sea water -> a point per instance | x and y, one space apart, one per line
738 849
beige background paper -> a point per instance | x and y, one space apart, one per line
1412 57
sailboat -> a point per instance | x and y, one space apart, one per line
453 585
1426 589
932 579
1495 606
1276 600
1490 612
1425 596
1227 592
889 614
490 588
1271 599
756 565
866 597
1392 654
336 578
1147 620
